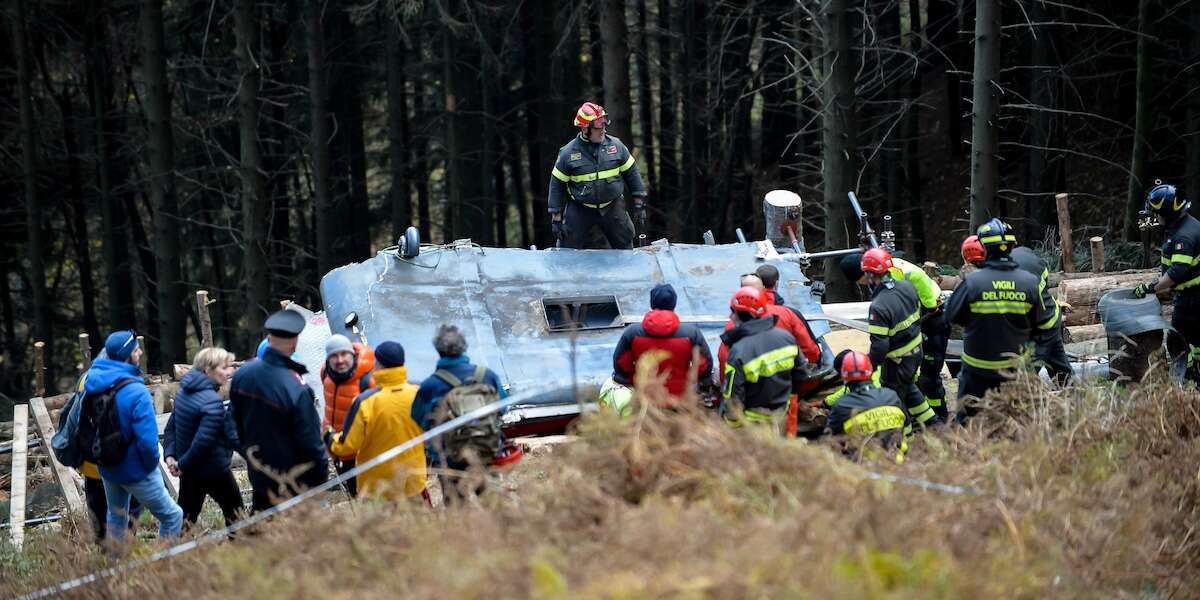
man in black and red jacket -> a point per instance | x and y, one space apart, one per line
660 330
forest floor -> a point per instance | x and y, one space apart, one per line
1091 491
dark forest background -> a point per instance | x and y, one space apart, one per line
152 149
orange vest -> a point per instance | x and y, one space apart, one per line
340 396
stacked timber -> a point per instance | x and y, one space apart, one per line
1083 292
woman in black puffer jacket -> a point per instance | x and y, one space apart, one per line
200 438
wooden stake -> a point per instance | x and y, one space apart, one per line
68 481
16 506
1097 244
206 336
1064 234
85 350
142 344
39 368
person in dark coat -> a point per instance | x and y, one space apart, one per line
200 438
276 418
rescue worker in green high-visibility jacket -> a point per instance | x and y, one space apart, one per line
1000 306
763 367
1180 273
934 327
894 324
588 184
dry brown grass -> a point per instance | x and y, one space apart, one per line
1084 493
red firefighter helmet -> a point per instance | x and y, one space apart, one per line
587 114
749 300
877 261
972 250
855 366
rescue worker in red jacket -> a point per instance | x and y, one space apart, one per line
764 364
785 319
662 336
347 372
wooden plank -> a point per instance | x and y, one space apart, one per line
39 367
170 480
162 422
1097 246
206 336
68 481
16 499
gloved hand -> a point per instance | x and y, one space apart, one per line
327 437
1144 289
639 212
560 229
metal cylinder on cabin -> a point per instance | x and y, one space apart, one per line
782 212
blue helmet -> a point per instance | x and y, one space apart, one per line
997 237
1166 202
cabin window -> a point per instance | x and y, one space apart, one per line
580 313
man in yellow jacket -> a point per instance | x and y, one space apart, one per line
380 419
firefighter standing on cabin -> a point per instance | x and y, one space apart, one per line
588 182
1181 273
895 328
999 305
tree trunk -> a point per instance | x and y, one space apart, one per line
645 97
117 266
319 139
466 176
695 63
946 20
76 215
1040 177
1193 104
839 126
984 128
169 284
398 134
545 65
617 101
149 269
667 186
779 117
596 45
255 271
1143 127
33 207
911 132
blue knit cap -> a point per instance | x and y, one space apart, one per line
120 345
662 297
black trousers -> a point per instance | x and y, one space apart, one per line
975 383
936 330
614 222
223 488
97 503
1184 344
900 377
1050 353
341 466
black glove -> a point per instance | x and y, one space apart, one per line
1144 289
560 229
639 212
328 437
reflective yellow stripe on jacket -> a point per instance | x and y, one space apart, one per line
1000 307
880 418
765 365
907 348
598 175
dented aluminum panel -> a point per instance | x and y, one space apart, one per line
495 295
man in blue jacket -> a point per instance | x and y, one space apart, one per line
137 475
276 417
451 347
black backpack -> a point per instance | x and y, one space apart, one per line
478 440
99 435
